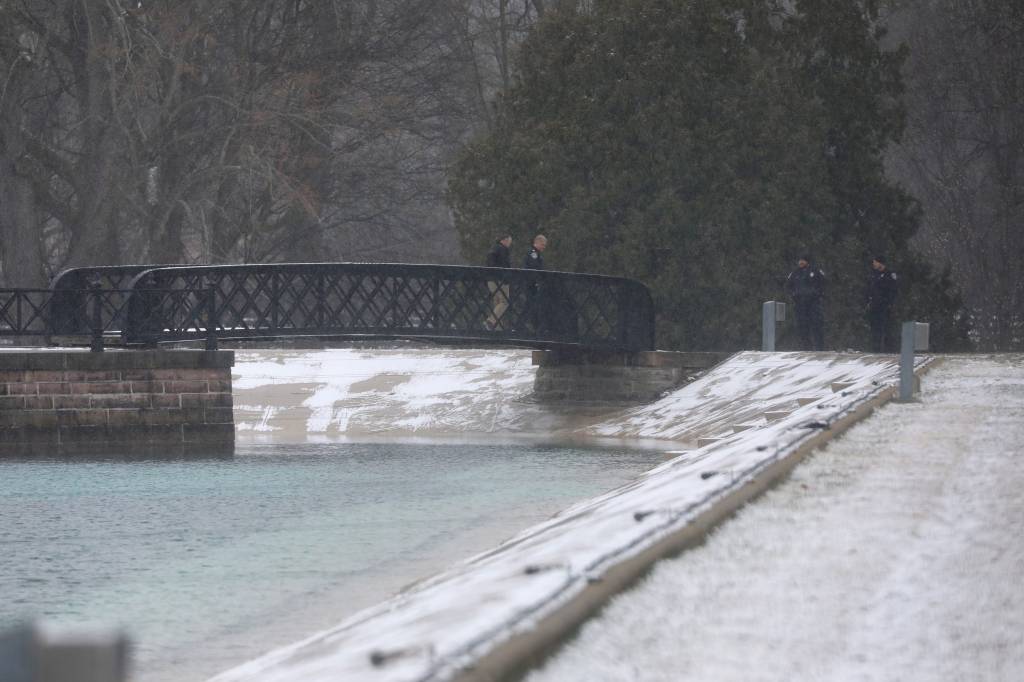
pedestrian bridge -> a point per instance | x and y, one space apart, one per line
147 305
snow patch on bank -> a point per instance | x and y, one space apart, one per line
304 395
743 391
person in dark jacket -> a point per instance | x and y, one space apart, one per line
499 256
536 310
883 285
806 286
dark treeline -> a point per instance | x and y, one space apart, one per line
700 146
703 147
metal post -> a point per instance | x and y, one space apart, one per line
771 313
275 301
96 320
211 315
768 326
46 653
435 305
321 301
907 361
913 337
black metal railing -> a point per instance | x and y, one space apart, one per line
25 312
106 276
70 286
407 301
526 307
156 315
94 312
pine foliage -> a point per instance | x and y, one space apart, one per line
701 146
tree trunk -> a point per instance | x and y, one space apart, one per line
19 232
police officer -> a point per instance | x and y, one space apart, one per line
806 285
882 288
534 259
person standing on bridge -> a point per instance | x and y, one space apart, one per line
499 257
806 286
882 288
534 260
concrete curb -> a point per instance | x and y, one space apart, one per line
515 656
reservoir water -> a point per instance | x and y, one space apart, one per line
209 562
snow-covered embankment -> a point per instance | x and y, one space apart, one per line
736 430
894 553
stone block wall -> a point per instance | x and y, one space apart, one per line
57 400
615 377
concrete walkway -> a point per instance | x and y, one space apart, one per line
895 553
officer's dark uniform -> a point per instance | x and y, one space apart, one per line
807 287
882 288
534 259
536 310
499 256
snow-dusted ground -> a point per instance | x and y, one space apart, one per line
758 409
320 395
896 553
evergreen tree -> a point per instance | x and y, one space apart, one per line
700 147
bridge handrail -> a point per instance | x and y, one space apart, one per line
25 312
401 300
107 276
470 271
92 311
115 279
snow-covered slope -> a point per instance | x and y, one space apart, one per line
740 394
302 395
893 554
779 403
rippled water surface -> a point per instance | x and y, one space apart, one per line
210 562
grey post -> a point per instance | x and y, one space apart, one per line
913 337
48 653
771 312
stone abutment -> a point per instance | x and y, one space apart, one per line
54 402
587 376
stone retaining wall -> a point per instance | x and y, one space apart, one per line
615 377
55 400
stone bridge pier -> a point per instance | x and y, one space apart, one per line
597 376
63 401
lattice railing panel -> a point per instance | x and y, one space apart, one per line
393 300
25 312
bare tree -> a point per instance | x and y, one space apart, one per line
20 223
230 130
963 151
